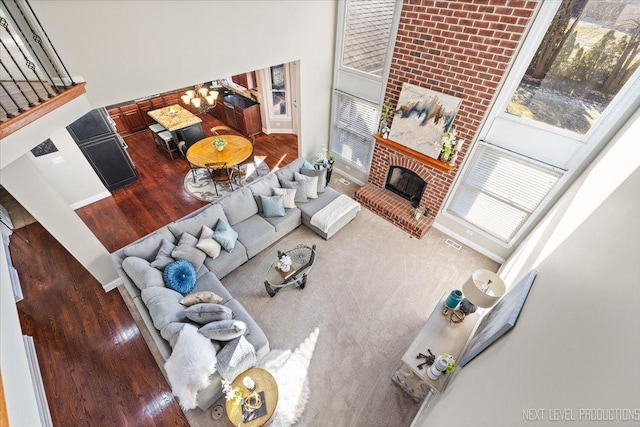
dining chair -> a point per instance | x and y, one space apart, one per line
221 130
219 172
249 160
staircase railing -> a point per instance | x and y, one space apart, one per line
31 70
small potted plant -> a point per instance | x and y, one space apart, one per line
448 142
219 143
386 114
284 263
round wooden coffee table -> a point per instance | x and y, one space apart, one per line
264 383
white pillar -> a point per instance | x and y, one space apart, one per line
24 181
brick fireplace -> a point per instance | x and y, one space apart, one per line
395 208
460 48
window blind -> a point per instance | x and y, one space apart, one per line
355 122
500 190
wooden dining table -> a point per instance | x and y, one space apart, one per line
238 149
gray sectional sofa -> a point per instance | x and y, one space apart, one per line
242 210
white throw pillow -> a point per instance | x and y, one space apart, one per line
207 244
311 186
190 365
289 196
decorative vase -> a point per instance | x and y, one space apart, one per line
454 299
219 147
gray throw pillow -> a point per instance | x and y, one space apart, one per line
320 173
235 357
164 306
262 187
207 244
224 330
206 312
164 255
301 190
141 273
186 249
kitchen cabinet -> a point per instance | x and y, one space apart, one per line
246 80
144 107
133 118
121 126
245 116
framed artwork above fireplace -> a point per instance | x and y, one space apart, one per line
422 117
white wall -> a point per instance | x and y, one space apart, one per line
22 408
73 177
127 50
576 345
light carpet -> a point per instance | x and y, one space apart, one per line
202 188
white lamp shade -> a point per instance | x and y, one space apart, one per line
203 91
191 93
196 102
484 288
185 99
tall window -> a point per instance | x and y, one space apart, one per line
365 33
587 55
279 91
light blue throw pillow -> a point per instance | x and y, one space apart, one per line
225 235
272 205
307 165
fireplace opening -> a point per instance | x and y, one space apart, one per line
406 184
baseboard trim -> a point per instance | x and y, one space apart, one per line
349 177
112 285
269 131
468 243
89 200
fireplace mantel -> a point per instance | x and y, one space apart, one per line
422 158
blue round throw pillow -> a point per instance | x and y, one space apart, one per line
180 276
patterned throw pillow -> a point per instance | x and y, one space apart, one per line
201 297
180 276
236 356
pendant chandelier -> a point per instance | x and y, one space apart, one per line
201 98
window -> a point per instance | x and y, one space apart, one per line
588 53
353 127
366 35
501 191
278 90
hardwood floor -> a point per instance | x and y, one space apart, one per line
96 367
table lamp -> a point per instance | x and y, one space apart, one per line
483 289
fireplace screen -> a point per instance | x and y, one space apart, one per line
405 183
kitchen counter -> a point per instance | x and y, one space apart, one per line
239 101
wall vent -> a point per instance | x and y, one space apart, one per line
456 246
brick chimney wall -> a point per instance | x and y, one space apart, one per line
460 48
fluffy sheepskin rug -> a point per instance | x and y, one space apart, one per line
190 365
290 372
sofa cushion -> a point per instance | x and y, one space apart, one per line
314 205
286 172
235 357
163 305
301 190
255 233
204 313
311 186
141 273
287 223
201 297
180 276
289 196
320 173
186 249
227 261
225 235
263 187
193 225
224 330
209 282
272 205
239 205
207 244
146 248
164 258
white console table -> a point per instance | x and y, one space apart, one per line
441 336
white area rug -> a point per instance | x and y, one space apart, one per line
290 371
202 188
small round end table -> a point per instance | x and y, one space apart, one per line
264 383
